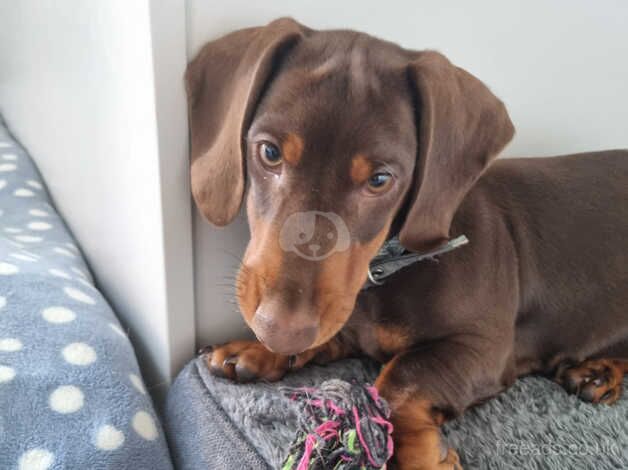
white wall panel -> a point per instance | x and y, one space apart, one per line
103 114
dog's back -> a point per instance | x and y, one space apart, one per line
569 219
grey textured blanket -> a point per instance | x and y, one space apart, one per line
215 424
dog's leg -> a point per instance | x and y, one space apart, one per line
424 388
246 361
594 380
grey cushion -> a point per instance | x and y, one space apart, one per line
213 423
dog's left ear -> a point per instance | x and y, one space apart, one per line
462 127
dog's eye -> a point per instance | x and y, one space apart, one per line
270 154
380 181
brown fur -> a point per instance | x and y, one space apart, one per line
361 169
292 149
541 284
262 269
391 339
347 269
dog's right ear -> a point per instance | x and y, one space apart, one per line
224 83
462 127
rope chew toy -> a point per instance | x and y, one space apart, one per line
342 426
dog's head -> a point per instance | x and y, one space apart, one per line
342 138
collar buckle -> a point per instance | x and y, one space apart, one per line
393 257
374 273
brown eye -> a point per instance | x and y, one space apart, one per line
380 181
270 154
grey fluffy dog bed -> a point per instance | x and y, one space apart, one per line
216 424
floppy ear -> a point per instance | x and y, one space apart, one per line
462 126
224 83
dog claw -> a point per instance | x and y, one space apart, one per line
230 360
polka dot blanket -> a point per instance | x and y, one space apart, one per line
71 396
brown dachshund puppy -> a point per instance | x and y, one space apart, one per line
337 128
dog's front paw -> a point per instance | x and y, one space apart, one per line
245 361
450 462
424 450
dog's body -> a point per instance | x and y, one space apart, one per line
543 281
396 142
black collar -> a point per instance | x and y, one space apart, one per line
392 257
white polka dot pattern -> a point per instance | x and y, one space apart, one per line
38 213
34 184
36 459
144 425
79 354
23 192
6 167
66 399
6 374
28 238
76 270
10 344
59 273
108 438
58 315
23 257
137 383
78 295
64 252
86 283
117 329
7 269
39 226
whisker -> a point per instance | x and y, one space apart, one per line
238 258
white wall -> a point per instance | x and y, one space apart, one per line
105 120
560 66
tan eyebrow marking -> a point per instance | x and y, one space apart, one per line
292 148
361 169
